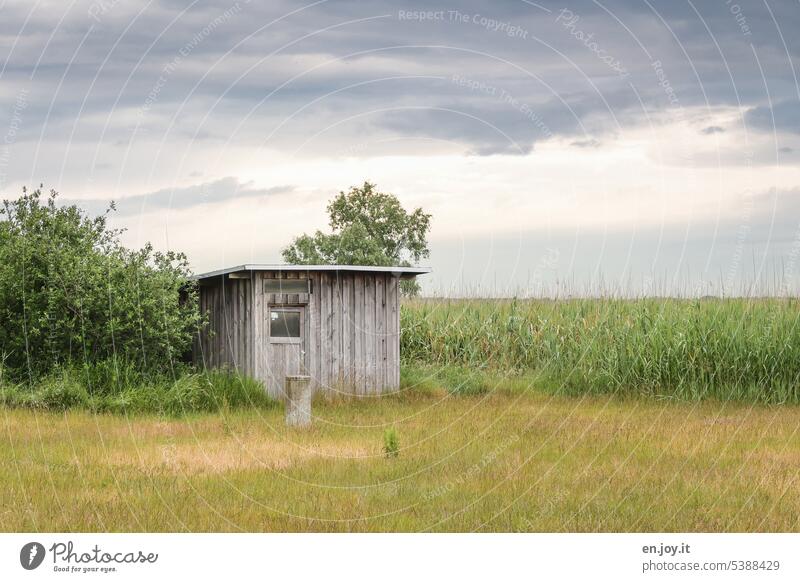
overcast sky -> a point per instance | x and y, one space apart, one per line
643 145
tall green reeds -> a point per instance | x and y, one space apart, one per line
743 349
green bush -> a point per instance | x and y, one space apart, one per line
87 323
71 294
189 393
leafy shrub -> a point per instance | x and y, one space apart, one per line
70 294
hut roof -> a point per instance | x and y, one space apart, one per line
400 271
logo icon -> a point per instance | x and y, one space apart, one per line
31 555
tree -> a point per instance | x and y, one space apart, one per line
369 228
70 293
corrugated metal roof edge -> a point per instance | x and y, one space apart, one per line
355 268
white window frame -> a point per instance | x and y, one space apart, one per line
283 309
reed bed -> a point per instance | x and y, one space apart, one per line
729 349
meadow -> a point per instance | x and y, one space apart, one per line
506 461
578 415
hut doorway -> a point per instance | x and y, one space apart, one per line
286 346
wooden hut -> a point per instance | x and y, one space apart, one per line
338 324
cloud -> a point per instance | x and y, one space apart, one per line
246 65
216 192
782 116
481 132
586 143
712 129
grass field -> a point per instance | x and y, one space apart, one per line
508 461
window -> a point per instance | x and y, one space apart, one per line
284 323
286 286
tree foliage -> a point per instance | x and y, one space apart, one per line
70 293
369 228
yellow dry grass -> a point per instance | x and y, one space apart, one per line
219 456
503 462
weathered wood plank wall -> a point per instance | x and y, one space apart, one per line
227 340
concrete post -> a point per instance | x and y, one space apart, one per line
298 401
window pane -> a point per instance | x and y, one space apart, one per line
286 286
284 324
